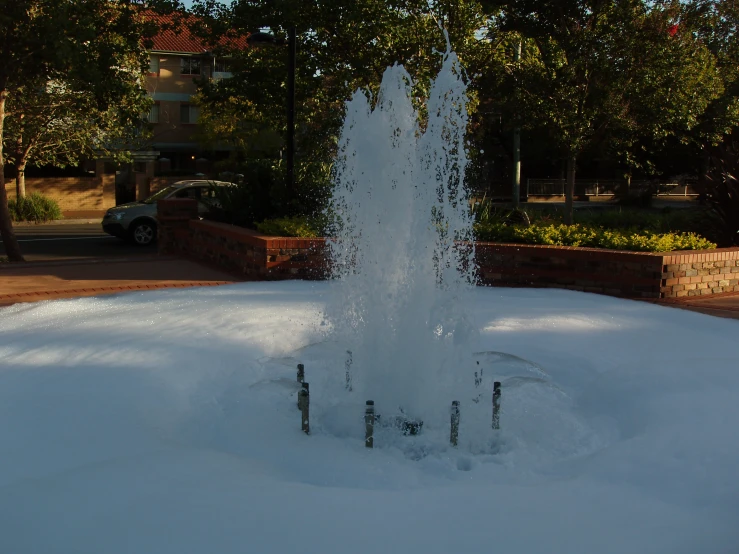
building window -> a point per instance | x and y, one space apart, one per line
189 66
153 116
222 67
154 65
188 113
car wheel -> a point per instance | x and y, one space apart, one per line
144 233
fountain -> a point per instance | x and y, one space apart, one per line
402 257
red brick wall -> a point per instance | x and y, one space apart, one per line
628 274
612 272
236 249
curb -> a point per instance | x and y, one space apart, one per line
85 261
58 222
9 299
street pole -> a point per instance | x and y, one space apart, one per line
517 142
291 45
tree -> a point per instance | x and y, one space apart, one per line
715 23
49 124
90 47
342 45
595 71
720 188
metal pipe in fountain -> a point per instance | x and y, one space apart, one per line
304 405
454 436
496 405
369 424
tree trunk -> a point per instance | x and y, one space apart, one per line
10 243
570 190
20 168
20 180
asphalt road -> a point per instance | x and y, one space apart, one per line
72 241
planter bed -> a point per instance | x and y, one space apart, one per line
613 272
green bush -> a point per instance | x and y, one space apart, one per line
590 236
300 226
259 195
719 188
552 234
694 219
34 207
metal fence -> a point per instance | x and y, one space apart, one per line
608 187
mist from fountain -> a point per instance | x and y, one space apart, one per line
402 255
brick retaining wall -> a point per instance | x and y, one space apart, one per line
242 251
612 272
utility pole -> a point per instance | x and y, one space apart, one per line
517 140
257 39
291 45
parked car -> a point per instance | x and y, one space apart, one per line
137 221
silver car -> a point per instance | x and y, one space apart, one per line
137 221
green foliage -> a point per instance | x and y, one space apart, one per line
91 49
35 207
259 195
720 187
605 80
538 233
342 46
699 221
715 24
82 85
604 77
590 236
298 226
50 123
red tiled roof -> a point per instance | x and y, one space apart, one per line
181 39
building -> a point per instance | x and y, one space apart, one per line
177 59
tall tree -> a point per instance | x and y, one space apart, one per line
594 70
716 24
89 46
49 124
342 46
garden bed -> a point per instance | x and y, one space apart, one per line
613 272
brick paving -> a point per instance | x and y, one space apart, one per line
721 305
34 281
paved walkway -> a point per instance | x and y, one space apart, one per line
33 281
724 305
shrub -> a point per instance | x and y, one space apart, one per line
300 226
695 219
719 188
260 195
34 207
589 236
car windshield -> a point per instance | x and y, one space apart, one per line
166 191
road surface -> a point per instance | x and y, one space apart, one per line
72 241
